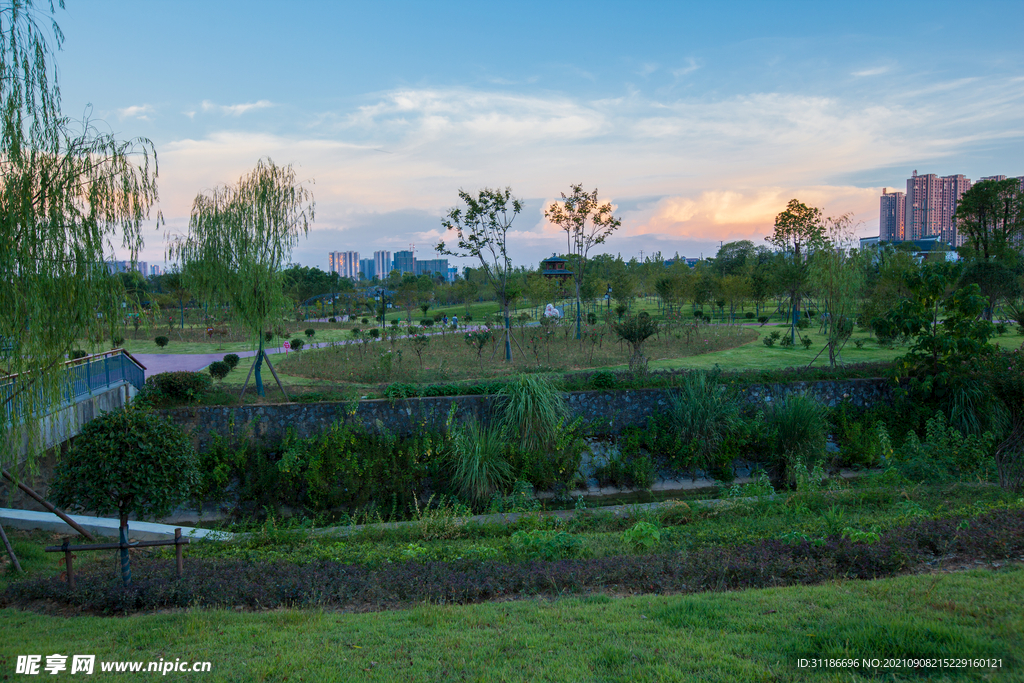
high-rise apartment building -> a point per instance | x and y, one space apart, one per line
382 265
437 266
931 203
892 216
344 263
366 269
405 262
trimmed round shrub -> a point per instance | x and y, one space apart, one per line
180 385
365 321
77 353
116 341
268 336
232 360
468 318
394 322
375 333
297 344
219 369
749 315
427 322
602 379
162 341
310 332
591 318
332 320
356 331
126 461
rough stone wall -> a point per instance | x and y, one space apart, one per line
605 412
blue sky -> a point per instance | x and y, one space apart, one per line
698 121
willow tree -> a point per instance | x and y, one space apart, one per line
239 239
586 222
482 230
68 194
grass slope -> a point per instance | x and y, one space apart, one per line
745 636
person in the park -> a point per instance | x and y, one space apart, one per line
455 322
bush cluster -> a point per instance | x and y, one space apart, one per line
270 585
178 386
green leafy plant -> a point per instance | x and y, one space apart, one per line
77 353
162 341
642 537
297 344
544 544
945 454
798 432
310 332
768 341
602 379
705 417
636 330
232 360
441 518
530 409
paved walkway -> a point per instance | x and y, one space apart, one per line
99 526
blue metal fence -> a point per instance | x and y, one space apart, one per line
86 376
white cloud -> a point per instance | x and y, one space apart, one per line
236 109
691 66
877 71
137 111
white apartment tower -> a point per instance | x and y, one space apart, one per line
344 263
382 264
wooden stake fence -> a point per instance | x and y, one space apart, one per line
67 549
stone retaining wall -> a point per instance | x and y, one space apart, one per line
606 412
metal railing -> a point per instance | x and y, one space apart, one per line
83 377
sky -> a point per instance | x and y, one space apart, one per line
698 121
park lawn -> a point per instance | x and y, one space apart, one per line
755 635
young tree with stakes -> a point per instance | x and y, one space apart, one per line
798 229
239 239
586 223
67 191
482 229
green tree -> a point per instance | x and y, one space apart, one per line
67 192
990 216
798 230
238 240
126 461
837 277
481 228
586 222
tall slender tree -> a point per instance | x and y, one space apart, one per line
239 239
798 229
586 222
481 229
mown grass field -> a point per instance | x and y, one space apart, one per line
757 635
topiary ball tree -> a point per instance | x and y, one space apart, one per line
219 369
162 341
232 360
126 461
297 344
310 332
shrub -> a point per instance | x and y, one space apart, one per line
356 331
705 417
179 385
803 323
543 544
365 321
297 344
768 341
116 341
631 470
162 341
635 331
806 342
749 315
763 320
427 322
479 466
797 425
944 455
468 318
394 322
786 341
219 369
232 360
374 333
332 320
530 411
310 332
591 318
268 336
77 353
642 537
602 379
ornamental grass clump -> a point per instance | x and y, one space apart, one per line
479 464
531 411
705 417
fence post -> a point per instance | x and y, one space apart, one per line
69 565
106 368
177 551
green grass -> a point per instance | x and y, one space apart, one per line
744 636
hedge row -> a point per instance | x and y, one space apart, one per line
255 585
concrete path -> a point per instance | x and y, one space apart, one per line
99 526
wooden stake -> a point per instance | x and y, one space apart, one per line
274 372
69 565
177 551
247 377
10 550
39 499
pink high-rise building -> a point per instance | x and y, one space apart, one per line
892 216
930 205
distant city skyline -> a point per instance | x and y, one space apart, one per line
698 129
